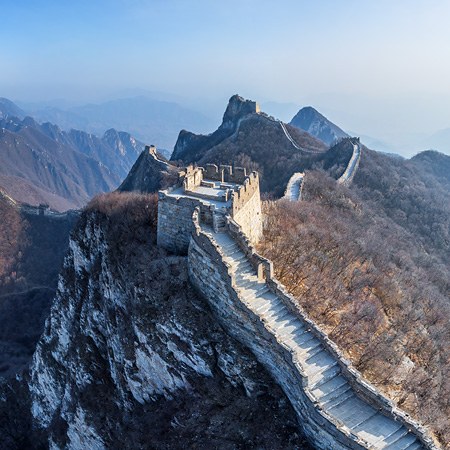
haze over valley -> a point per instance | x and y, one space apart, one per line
225 225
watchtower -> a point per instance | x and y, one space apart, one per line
217 191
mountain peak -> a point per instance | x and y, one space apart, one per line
237 108
310 120
8 108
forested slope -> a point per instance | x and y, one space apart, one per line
371 264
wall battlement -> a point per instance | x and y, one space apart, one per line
225 173
217 191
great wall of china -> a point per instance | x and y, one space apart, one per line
214 215
294 187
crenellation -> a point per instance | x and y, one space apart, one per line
217 190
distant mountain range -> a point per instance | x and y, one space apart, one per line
152 121
40 163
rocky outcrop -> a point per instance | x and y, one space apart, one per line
191 147
238 108
149 173
310 120
131 356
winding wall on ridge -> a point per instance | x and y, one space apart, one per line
337 408
352 166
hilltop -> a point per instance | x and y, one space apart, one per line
248 137
310 120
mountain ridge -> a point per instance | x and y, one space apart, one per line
43 164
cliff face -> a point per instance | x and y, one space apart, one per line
131 356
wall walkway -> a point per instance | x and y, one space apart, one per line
293 190
336 408
347 177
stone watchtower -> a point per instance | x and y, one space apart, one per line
218 191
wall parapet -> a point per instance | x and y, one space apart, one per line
364 389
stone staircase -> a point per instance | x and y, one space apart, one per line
324 380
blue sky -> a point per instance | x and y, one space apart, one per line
376 67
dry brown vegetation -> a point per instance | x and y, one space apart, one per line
375 280
32 248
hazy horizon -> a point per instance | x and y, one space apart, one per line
374 68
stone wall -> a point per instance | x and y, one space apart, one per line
224 173
210 275
353 164
193 177
264 269
175 222
246 207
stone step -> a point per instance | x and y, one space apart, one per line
326 400
242 277
266 305
269 313
402 443
356 413
312 351
378 429
416 445
325 376
288 320
237 258
248 294
235 254
283 317
314 370
272 313
243 267
341 409
288 335
227 248
253 291
250 283
320 359
338 399
263 300
329 387
389 439
290 323
302 338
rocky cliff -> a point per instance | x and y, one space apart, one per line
149 173
131 356
190 147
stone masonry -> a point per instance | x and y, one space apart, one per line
217 191
336 407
